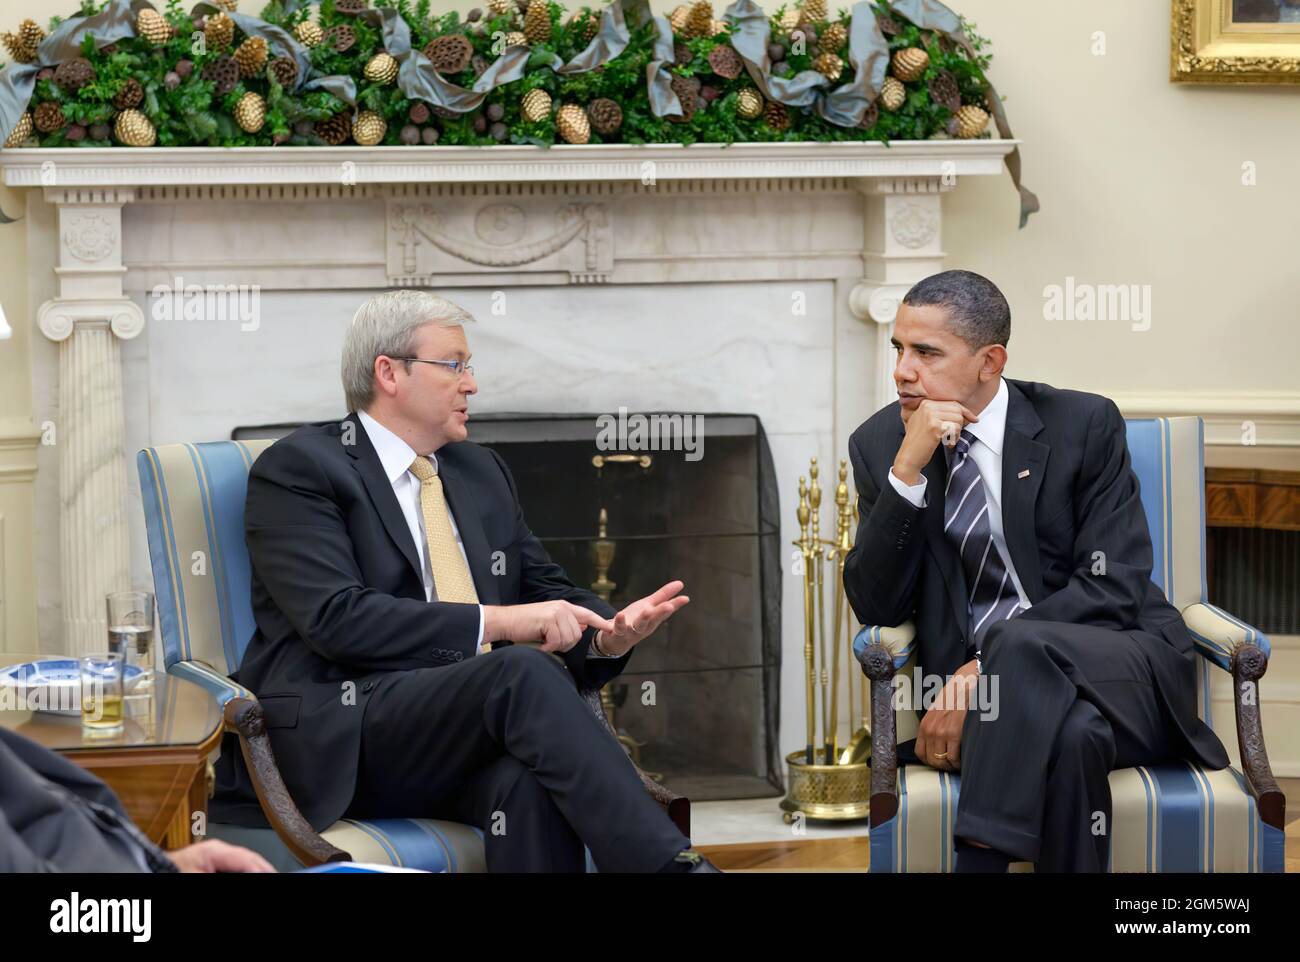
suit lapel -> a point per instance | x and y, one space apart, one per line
1020 454
366 461
464 508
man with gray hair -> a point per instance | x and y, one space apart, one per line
416 649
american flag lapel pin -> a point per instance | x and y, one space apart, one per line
1023 474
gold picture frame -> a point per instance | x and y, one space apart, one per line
1235 42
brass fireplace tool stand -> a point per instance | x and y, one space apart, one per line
827 780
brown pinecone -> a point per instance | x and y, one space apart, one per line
218 32
309 34
572 125
284 70
449 53
944 91
536 105
224 74
606 116
829 65
776 116
22 130
725 62
74 74
537 22
686 93
133 129
909 63
22 45
682 54
335 130
349 8
153 26
251 56
341 37
48 117
131 95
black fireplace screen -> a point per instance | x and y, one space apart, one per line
698 704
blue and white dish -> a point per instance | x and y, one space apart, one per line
50 685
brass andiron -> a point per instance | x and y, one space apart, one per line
602 558
825 781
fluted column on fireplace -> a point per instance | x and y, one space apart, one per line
87 319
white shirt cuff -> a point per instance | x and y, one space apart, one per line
479 649
591 651
914 493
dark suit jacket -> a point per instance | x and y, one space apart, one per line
338 597
1080 497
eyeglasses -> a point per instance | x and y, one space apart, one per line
457 367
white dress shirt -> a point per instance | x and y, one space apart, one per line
396 456
986 452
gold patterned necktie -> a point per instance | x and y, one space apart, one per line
451 578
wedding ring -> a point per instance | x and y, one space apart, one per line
941 755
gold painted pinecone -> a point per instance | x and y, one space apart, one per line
502 8
588 23
22 45
717 27
829 65
335 130
230 6
749 103
251 57
153 26
606 116
22 130
790 19
449 53
537 22
369 128
833 38
814 11
893 94
572 125
677 19
224 74
725 62
536 105
71 75
218 32
341 37
309 34
284 70
516 38
699 22
349 8
910 63
133 129
49 117
776 116
971 121
250 112
381 68
130 95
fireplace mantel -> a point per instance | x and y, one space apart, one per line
177 166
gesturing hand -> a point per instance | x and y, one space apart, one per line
638 621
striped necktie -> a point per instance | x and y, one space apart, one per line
991 594
451 578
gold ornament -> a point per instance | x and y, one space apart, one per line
749 103
537 22
677 19
893 94
699 22
22 130
572 125
309 34
251 57
536 105
516 38
814 11
833 38
133 129
790 19
910 63
829 65
381 68
971 121
22 45
153 26
250 112
502 8
369 128
218 32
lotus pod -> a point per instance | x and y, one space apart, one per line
699 22
218 32
133 129
749 103
572 124
536 105
22 130
349 8
829 65
909 63
250 112
369 128
381 68
224 74
893 94
449 53
537 22
341 37
944 90
153 26
725 62
72 75
309 34
971 121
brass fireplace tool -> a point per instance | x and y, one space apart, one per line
827 781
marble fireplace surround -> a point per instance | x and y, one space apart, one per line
755 278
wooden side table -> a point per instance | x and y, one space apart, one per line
157 764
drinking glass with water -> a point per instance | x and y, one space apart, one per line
130 633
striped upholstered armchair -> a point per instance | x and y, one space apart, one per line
1174 817
194 512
